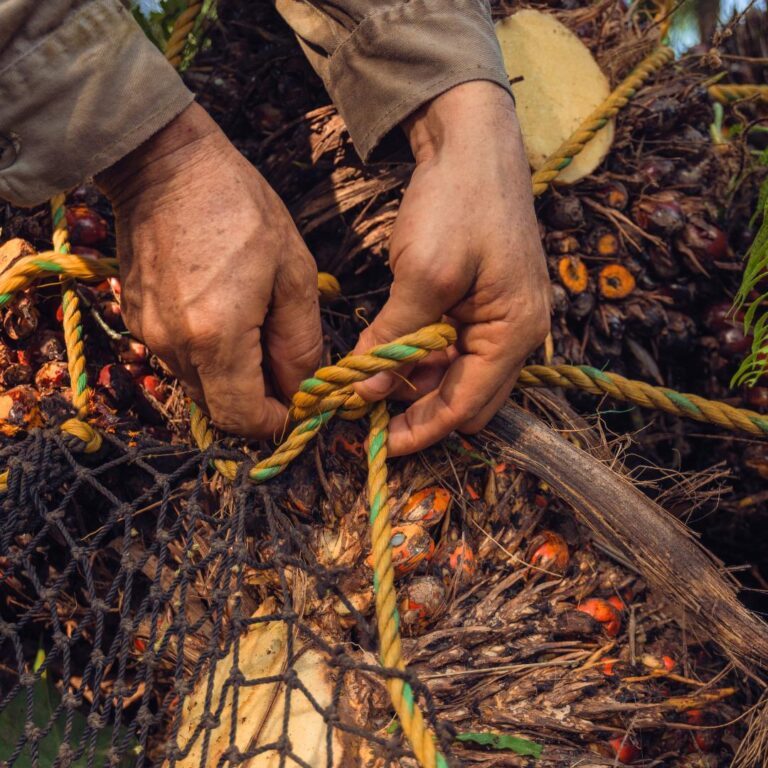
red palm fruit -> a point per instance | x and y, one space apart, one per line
132 351
19 410
52 375
421 601
117 384
624 749
703 740
427 506
604 613
549 551
411 545
86 227
154 387
617 603
455 559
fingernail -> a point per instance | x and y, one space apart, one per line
380 385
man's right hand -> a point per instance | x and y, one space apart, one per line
216 280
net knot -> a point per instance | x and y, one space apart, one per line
83 432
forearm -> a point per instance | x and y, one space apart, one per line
80 87
383 59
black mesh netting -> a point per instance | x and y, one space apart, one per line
152 615
147 619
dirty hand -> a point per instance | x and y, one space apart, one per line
215 278
466 247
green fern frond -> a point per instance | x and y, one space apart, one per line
756 317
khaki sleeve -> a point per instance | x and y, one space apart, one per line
381 60
80 87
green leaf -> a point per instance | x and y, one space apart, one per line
503 741
755 365
45 700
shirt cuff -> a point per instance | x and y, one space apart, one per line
83 97
403 56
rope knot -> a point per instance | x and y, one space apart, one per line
83 432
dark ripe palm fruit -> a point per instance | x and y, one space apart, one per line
644 318
655 170
581 305
560 299
111 313
707 242
678 334
662 114
117 384
566 212
757 398
51 376
609 319
21 318
722 315
15 374
612 195
755 459
88 253
86 227
604 349
733 344
662 263
48 345
659 213
560 242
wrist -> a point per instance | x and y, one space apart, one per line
163 156
460 118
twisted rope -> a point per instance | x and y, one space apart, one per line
640 393
727 93
419 735
184 24
72 319
563 156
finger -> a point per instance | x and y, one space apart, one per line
485 414
410 306
470 389
293 335
424 377
234 390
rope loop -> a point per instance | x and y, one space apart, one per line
89 437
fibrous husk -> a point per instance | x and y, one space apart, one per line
560 85
262 653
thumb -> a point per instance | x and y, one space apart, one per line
293 337
411 305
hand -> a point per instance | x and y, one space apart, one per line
215 278
466 246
